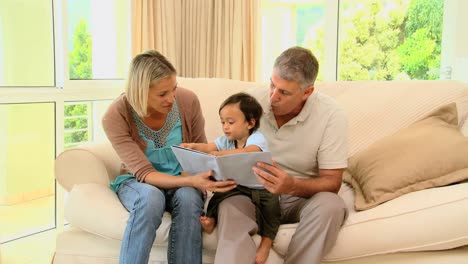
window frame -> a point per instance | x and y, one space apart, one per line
64 91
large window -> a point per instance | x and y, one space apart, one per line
359 39
45 106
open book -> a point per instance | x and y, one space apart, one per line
237 167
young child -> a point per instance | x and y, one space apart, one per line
240 117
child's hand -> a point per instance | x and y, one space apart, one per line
187 145
215 153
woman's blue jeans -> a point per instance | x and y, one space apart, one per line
146 204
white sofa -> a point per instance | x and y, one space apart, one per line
428 226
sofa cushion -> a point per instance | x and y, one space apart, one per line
430 153
430 219
97 210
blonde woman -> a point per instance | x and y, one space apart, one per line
142 124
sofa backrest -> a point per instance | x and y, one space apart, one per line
212 92
375 108
379 108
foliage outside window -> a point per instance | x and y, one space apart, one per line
98 42
76 124
81 55
76 115
377 40
388 40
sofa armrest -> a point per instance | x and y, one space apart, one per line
87 163
95 208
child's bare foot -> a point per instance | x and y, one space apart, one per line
262 255
207 223
263 250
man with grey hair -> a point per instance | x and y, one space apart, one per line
307 134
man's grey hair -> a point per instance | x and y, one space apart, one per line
297 64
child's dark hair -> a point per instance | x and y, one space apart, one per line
248 105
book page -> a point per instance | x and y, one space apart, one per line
238 167
193 161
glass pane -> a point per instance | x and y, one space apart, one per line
390 39
27 183
82 122
97 40
26 43
291 23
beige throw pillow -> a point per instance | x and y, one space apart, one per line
430 153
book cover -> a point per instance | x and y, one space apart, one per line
237 167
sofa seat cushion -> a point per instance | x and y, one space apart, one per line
430 219
96 209
75 246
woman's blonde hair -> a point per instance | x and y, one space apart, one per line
146 69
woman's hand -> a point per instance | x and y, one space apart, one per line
203 182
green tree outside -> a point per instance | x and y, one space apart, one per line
80 65
421 50
385 39
370 35
81 56
76 124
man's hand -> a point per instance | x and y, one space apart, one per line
277 181
274 179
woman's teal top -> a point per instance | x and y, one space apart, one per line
158 148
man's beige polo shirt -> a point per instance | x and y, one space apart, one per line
316 138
